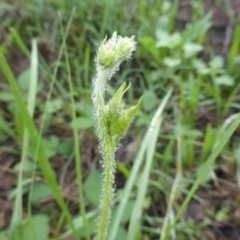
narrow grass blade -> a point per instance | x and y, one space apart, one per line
86 65
143 183
17 213
135 169
234 50
20 42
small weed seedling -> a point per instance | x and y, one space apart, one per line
112 120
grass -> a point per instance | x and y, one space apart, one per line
190 108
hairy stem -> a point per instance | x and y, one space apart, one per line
107 190
112 120
107 150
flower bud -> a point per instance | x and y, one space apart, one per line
112 52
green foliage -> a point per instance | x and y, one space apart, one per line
198 117
40 228
93 187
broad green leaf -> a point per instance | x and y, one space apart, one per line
40 191
224 80
6 96
117 119
65 147
3 235
149 44
122 234
92 227
120 124
127 213
162 23
84 123
26 166
118 97
171 62
217 62
190 49
24 78
201 67
55 105
166 6
149 101
154 76
40 226
93 187
51 146
166 40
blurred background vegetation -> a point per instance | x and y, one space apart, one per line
187 61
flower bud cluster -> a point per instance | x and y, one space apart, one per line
112 52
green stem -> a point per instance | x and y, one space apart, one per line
112 121
107 189
107 150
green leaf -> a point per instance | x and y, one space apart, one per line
201 67
25 166
40 191
154 76
55 105
40 226
93 187
163 22
92 227
122 234
149 100
127 213
120 124
117 100
217 62
6 96
117 119
24 78
224 80
171 62
149 44
83 123
190 49
65 147
3 235
166 6
51 146
166 40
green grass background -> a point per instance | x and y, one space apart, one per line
47 52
